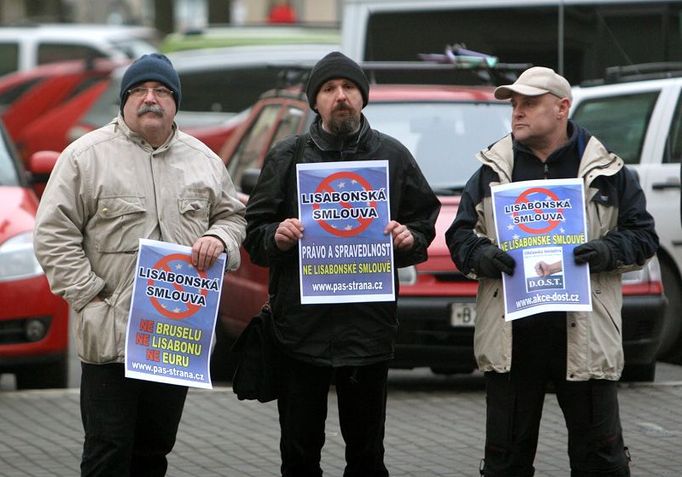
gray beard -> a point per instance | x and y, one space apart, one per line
344 127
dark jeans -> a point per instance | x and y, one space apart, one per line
130 425
514 407
361 394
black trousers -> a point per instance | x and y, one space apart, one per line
515 400
302 405
130 425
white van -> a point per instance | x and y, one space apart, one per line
578 38
23 47
640 118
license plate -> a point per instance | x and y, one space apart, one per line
463 314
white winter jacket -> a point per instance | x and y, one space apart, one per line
109 189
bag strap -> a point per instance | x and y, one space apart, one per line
296 158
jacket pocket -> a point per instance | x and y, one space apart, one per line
120 223
194 212
96 333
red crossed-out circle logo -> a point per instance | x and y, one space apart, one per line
165 265
350 227
526 197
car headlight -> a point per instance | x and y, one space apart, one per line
407 275
17 259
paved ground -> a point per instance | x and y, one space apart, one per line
434 428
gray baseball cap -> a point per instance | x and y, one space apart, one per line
536 81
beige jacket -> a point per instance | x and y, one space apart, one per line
594 341
109 189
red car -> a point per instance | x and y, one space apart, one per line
33 322
443 127
27 96
50 131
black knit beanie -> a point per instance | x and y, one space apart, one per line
336 65
152 67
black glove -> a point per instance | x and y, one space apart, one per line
489 261
597 253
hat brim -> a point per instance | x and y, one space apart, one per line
505 92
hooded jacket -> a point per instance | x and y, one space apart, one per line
109 189
616 212
344 334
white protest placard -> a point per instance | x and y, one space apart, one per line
539 223
344 254
172 316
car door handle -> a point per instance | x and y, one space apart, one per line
665 185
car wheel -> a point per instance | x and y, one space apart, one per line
639 372
44 376
671 336
223 362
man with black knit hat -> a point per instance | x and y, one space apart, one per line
137 177
348 344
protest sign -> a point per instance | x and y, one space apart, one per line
172 316
539 223
344 254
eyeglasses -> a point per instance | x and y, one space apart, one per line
141 92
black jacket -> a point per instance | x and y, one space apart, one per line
344 334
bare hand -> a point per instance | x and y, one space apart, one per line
288 233
206 251
543 268
402 237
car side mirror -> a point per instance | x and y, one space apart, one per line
40 165
249 180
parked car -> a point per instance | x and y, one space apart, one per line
27 96
25 47
443 127
640 118
217 85
49 131
33 322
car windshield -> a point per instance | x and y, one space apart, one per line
8 169
443 137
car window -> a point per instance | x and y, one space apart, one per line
443 137
225 90
288 125
620 122
8 161
51 52
9 57
256 141
673 144
133 47
106 107
10 95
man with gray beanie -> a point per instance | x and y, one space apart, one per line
348 344
137 177
579 353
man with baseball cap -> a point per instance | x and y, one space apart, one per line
348 344
579 353
137 177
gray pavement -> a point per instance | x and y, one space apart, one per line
434 428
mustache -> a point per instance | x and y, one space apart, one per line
343 107
150 108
